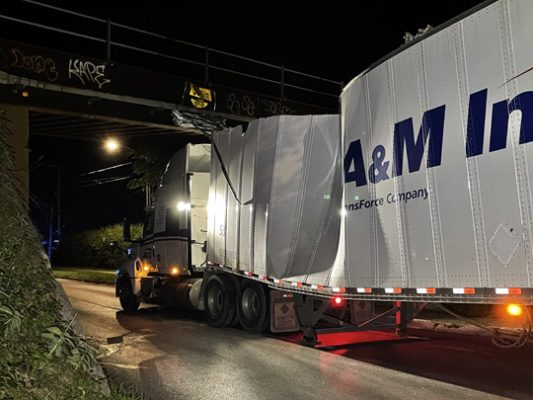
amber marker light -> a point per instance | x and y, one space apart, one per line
174 271
514 310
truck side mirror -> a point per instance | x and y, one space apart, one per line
114 244
126 230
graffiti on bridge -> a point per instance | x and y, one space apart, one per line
35 63
88 72
243 104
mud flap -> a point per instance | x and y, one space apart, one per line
283 316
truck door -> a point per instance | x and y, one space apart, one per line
172 244
146 254
199 193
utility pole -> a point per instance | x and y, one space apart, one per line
58 202
58 216
148 193
51 229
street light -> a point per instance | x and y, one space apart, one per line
111 145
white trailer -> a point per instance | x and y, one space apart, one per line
420 191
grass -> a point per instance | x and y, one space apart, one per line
86 274
121 392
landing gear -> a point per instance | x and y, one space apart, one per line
219 301
252 306
309 310
128 300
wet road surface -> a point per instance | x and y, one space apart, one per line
171 355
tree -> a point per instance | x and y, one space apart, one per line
148 168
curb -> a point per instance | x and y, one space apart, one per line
68 314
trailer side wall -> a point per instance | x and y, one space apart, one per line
438 160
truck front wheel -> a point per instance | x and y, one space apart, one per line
219 301
252 306
128 300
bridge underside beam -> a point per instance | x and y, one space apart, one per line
93 108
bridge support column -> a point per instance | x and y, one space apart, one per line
15 121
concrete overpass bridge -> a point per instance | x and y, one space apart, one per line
64 80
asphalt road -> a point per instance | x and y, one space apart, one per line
168 355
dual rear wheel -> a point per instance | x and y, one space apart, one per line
226 300
128 300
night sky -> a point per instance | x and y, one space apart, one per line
336 42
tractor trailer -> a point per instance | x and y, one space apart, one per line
419 191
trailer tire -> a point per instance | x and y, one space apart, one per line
219 301
128 300
253 306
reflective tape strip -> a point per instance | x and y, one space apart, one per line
508 291
279 281
296 284
248 273
395 290
426 290
263 277
338 290
464 291
364 290
317 287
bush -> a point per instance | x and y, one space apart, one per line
40 355
91 248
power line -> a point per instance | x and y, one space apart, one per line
106 169
105 181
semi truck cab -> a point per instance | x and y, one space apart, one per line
170 256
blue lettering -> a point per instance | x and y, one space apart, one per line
476 123
378 169
431 131
500 120
498 129
354 156
433 126
524 103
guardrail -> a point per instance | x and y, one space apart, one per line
203 63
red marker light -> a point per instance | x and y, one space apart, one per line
338 301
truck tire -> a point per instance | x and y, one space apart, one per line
128 300
219 301
253 306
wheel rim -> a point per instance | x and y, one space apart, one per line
215 300
251 305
